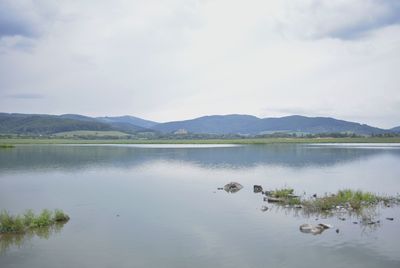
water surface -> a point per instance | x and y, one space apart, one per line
158 206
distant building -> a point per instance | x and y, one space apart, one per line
181 131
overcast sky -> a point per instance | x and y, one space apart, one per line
178 59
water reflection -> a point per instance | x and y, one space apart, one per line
10 240
81 157
369 219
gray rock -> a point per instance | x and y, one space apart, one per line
233 187
325 225
258 188
275 200
311 229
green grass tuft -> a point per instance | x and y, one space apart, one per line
60 216
347 198
282 193
19 224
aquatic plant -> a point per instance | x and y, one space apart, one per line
60 216
20 224
282 193
346 199
349 199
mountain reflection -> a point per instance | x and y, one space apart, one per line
50 157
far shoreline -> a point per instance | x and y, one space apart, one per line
40 140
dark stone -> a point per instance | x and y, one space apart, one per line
275 200
233 187
314 195
337 231
390 219
258 188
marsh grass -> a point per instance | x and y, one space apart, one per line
286 195
349 199
344 200
21 223
282 193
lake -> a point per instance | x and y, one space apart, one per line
158 205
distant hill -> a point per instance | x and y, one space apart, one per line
42 124
45 124
246 124
38 124
395 129
215 124
127 119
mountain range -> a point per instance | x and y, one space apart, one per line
43 124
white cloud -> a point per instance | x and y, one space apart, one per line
179 59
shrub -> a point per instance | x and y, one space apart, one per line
60 216
44 219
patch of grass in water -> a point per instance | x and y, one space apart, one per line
282 193
20 224
347 198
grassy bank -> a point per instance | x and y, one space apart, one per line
6 146
21 223
203 141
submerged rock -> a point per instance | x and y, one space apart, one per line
325 225
258 188
264 208
233 187
390 219
275 200
317 229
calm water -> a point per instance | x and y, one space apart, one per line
158 206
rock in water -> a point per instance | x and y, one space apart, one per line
233 187
308 228
258 189
325 225
275 200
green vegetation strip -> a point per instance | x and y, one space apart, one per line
6 146
200 141
344 199
21 223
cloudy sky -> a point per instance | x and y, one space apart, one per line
178 59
